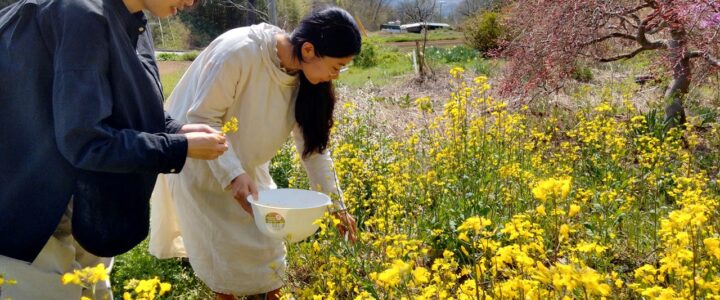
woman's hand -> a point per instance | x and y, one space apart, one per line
243 186
202 145
187 128
346 227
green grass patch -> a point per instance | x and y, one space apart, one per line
139 264
390 64
433 35
170 80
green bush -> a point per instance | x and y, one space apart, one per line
190 56
167 57
483 30
582 73
368 56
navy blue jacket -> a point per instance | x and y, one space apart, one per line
81 117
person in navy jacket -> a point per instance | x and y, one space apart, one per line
83 136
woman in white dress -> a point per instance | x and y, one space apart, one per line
276 85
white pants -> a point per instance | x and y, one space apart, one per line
41 279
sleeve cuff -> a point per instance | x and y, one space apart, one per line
175 155
173 126
225 181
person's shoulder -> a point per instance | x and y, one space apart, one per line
79 9
238 42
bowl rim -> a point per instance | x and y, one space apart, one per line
254 202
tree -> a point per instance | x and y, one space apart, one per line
468 8
550 36
420 11
417 10
373 13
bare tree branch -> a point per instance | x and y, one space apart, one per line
247 7
624 56
637 8
612 35
657 28
642 36
714 61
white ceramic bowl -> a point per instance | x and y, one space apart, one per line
288 214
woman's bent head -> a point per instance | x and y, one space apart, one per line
323 43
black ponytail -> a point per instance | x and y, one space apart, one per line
332 32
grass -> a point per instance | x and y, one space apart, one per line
170 80
383 74
433 35
139 264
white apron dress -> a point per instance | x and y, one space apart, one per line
193 213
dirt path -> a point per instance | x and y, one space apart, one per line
429 43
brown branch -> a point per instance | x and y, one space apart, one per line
609 36
651 3
642 36
637 8
714 61
657 28
624 56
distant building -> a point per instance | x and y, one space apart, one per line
417 27
392 26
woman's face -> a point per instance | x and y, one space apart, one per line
321 69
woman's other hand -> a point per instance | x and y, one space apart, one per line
241 187
346 227
202 145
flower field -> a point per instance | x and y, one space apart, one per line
478 200
472 197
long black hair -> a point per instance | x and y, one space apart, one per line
333 32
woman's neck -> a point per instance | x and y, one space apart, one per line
285 53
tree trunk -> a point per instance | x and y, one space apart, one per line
680 85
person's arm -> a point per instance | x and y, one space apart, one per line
322 176
320 171
216 90
172 125
82 101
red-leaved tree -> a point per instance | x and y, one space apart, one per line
550 36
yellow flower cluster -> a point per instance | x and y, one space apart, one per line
230 126
6 281
87 277
145 289
557 189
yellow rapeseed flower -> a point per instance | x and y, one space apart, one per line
421 275
456 72
230 126
574 209
713 247
552 188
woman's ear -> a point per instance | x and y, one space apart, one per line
308 51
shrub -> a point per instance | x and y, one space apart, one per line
368 56
167 56
582 73
189 56
483 30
